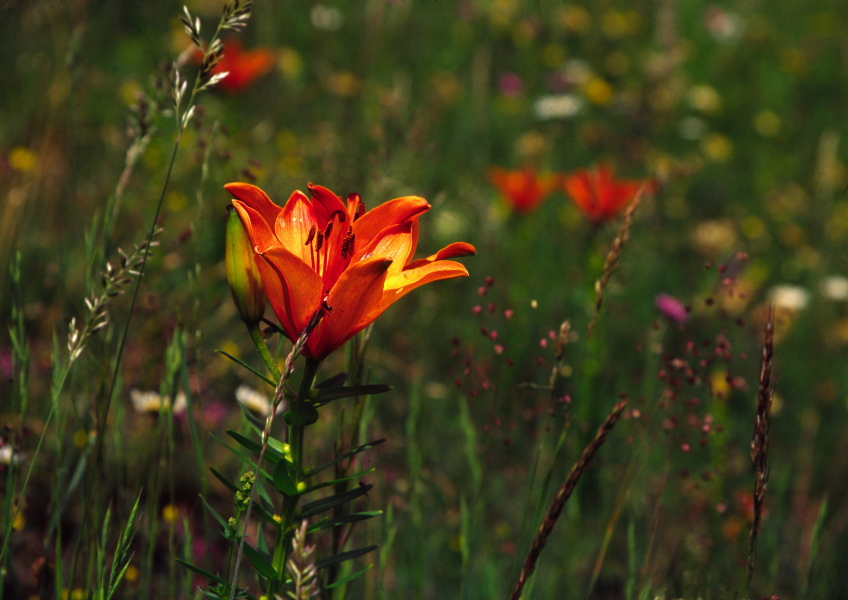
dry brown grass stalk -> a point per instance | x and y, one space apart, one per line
614 255
564 493
760 443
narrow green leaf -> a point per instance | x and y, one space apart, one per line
266 515
237 451
343 556
201 572
276 445
284 474
255 422
264 378
352 518
334 381
324 396
247 459
260 561
229 484
319 506
246 442
215 515
324 484
271 454
349 578
345 456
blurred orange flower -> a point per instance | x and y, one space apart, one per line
599 195
323 249
244 67
525 190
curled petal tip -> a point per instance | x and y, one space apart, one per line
464 249
455 250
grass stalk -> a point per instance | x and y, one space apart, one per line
760 443
562 496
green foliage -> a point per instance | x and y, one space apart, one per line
736 111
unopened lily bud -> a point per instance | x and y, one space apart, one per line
242 274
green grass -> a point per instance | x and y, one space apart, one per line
739 115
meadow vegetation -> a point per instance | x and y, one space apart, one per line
638 391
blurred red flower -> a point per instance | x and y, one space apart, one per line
244 67
599 195
525 189
323 249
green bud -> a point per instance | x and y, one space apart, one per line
242 274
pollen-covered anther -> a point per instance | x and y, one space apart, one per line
347 244
311 236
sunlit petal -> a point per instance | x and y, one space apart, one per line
294 225
395 242
397 286
294 290
357 292
454 250
391 213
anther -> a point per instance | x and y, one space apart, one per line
310 237
347 245
340 214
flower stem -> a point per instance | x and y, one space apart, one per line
297 418
298 406
262 346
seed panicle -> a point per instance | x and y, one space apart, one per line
301 566
564 493
614 255
113 282
760 441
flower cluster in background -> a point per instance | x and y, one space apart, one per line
598 194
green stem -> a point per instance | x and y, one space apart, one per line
262 346
296 435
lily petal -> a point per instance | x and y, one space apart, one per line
397 286
357 292
295 291
396 242
257 229
454 250
294 224
258 213
390 213
256 199
327 202
580 189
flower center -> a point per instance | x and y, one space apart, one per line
330 249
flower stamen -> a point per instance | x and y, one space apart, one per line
347 244
310 236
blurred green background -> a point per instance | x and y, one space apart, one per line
737 110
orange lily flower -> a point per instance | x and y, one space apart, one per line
323 249
599 195
525 190
243 66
